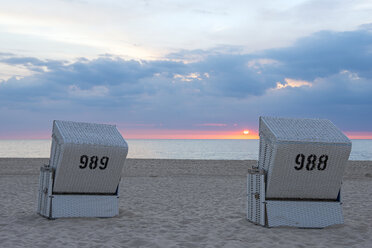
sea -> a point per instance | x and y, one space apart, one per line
173 149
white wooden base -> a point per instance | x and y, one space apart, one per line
72 205
283 212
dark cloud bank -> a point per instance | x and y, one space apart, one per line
215 86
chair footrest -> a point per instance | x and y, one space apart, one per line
306 214
82 206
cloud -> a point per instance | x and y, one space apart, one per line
212 125
326 53
6 54
325 75
95 91
293 83
189 77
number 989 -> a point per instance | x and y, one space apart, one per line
92 162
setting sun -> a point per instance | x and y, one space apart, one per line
246 132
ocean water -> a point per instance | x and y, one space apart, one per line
173 149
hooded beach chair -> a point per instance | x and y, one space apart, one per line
297 181
84 171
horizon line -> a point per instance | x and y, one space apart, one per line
177 135
29 139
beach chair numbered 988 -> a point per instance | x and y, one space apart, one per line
297 181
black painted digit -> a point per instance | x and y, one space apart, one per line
93 162
104 162
300 160
311 162
322 162
83 161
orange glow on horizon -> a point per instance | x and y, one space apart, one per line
359 135
211 134
187 134
34 135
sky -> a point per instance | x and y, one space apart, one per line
184 69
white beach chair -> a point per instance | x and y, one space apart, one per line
82 179
298 178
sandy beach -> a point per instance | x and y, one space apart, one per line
175 203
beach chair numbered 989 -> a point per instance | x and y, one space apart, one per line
82 179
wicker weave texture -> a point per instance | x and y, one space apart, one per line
266 150
88 133
76 143
321 157
308 214
303 130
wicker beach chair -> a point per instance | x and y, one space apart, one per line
82 179
297 181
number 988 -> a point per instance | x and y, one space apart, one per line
311 162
